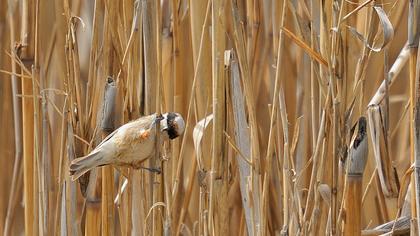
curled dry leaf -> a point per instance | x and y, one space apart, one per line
198 134
387 29
405 182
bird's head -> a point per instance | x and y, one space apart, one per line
173 124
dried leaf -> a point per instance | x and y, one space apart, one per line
198 134
383 163
405 182
388 31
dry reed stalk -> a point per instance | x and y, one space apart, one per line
60 198
395 69
150 34
17 116
241 52
198 28
107 126
417 144
354 176
218 217
158 192
285 129
89 184
27 41
169 54
177 166
413 38
316 155
187 197
150 52
287 167
335 80
325 50
242 141
402 227
252 30
321 208
314 85
136 207
41 134
93 56
71 221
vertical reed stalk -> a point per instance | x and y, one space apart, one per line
413 38
107 125
17 118
27 41
353 191
218 176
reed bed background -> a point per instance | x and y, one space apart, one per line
270 91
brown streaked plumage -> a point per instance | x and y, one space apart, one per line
129 145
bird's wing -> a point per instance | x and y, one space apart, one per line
107 138
146 122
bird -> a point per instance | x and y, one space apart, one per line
131 144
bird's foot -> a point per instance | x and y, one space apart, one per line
156 170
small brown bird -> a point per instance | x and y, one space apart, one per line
131 144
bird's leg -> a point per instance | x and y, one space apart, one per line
137 165
123 171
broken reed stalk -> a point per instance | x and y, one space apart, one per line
353 191
108 126
393 73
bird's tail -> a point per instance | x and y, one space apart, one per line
81 165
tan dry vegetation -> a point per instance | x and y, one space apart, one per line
270 91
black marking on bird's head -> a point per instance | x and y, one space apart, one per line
174 124
361 132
